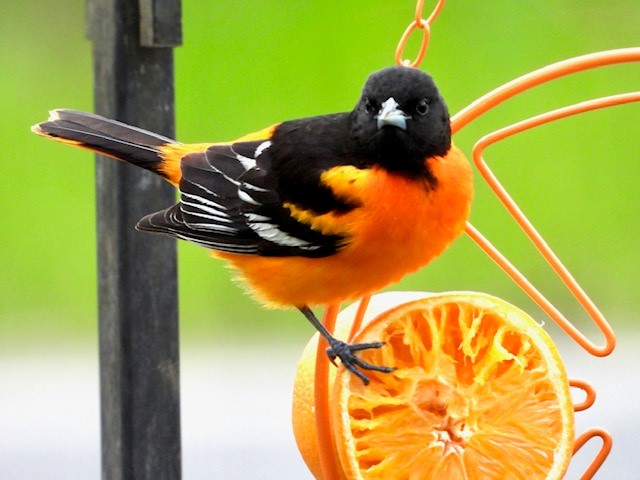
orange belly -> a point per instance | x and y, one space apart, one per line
401 225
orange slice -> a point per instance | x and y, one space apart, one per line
479 392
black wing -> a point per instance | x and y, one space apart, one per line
230 202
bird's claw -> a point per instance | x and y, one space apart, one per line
345 352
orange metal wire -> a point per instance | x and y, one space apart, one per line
418 23
601 456
538 77
357 320
589 391
535 237
322 393
328 461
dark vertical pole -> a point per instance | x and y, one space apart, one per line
138 315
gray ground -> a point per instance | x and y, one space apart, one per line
236 419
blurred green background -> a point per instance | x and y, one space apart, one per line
245 65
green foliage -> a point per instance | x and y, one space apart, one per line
245 65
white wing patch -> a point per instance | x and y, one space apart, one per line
271 232
255 188
218 214
261 148
246 162
245 197
205 201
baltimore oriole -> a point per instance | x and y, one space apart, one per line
310 211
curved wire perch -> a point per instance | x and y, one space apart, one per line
539 77
359 317
601 456
536 238
321 399
589 391
322 387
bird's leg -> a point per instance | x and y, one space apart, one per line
345 351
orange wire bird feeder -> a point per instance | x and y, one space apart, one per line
360 322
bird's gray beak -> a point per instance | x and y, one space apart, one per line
390 114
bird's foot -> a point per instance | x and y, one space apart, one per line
346 353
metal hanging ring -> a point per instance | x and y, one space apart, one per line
426 34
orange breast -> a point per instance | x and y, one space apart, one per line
401 225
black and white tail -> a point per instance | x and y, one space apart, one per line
108 137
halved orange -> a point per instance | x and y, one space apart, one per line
479 392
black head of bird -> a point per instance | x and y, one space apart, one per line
401 120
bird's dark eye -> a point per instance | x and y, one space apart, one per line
422 107
370 106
